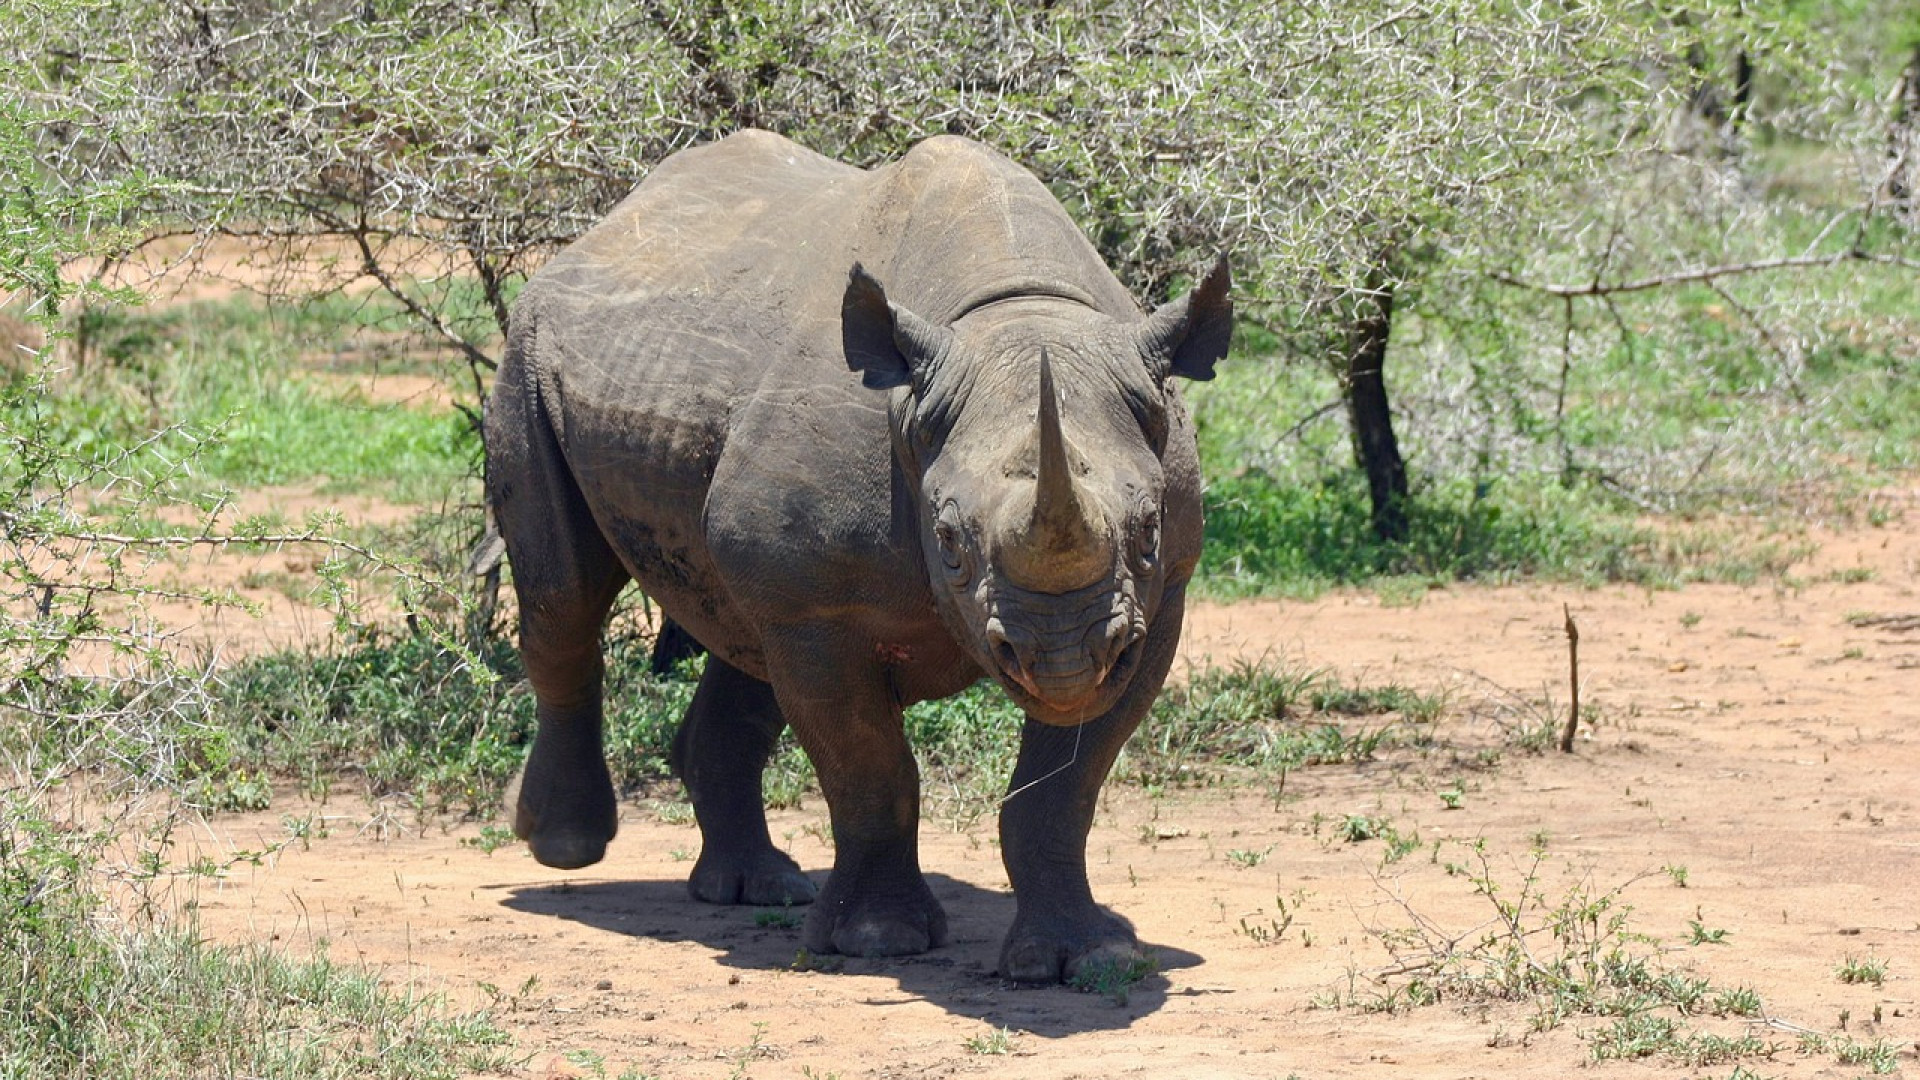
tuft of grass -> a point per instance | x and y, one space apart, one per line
1880 1057
1267 719
1570 955
1699 934
997 1042
1857 970
1114 978
411 715
777 919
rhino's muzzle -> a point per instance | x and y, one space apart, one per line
1069 678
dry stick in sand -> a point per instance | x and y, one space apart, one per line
1573 671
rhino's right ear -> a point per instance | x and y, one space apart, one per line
887 344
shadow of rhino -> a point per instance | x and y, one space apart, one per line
959 977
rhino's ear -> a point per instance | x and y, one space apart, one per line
889 345
1186 337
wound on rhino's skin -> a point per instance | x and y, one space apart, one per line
906 432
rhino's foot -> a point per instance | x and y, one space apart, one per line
767 878
566 829
853 922
1061 948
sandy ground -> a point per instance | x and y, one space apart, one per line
1755 770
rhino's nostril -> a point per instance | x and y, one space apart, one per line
1004 653
1008 659
1118 637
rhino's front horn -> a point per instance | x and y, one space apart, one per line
1062 546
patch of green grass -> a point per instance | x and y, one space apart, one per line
231 376
1265 535
491 839
410 715
1275 927
1267 720
94 995
1248 858
1359 828
1699 934
1880 1056
1575 954
1644 1035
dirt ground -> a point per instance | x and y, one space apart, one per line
1754 776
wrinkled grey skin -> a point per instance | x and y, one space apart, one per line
870 436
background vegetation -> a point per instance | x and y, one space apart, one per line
1586 290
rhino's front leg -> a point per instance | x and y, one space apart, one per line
875 903
1058 930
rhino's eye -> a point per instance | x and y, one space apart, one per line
949 535
1143 548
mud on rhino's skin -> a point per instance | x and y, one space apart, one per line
869 436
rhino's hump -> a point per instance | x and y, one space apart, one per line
743 247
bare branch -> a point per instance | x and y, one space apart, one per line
1707 273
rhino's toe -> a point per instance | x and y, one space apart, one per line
856 928
1033 961
769 879
881 939
1063 950
568 849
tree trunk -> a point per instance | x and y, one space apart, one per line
1903 141
1742 90
1374 445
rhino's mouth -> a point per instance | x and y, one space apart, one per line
1067 671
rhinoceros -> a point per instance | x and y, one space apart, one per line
870 436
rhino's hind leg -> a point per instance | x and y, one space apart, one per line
720 753
566 577
566 811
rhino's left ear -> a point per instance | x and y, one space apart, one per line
1186 337
889 345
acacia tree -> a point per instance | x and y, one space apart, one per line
1330 148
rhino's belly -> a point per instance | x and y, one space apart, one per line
654 529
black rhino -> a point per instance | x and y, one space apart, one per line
869 436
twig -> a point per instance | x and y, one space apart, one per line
1573 672
370 264
220 540
1885 622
